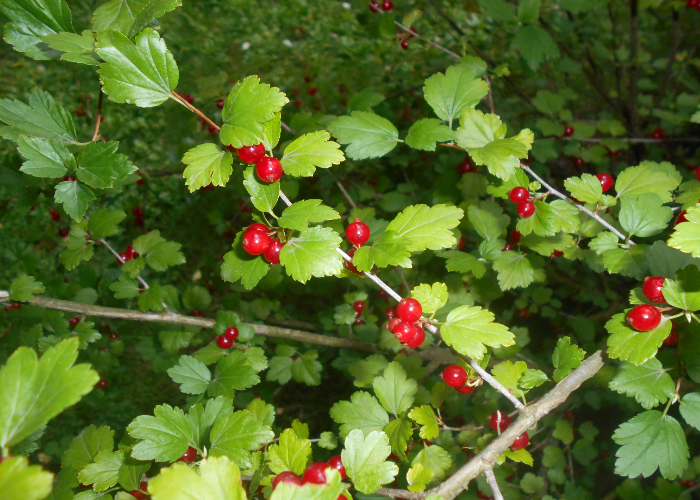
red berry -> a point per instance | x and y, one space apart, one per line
255 242
525 209
681 217
557 253
137 494
124 256
63 232
374 6
417 340
114 336
224 341
391 324
74 320
461 242
349 265
697 172
55 215
269 169
272 252
652 289
212 130
69 178
568 131
578 162
659 133
672 338
189 456
251 154
409 310
508 247
220 103
465 390
256 227
606 181
297 103
307 78
102 383
521 442
614 153
390 312
131 253
138 211
231 332
644 318
16 305
187 97
387 5
337 463
404 331
197 314
315 473
7 308
312 91
359 306
286 477
518 195
524 313
515 236
404 45
499 421
357 233
466 166
454 376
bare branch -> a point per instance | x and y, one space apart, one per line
493 484
194 110
98 120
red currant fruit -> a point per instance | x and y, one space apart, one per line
74 320
525 209
404 45
461 242
569 415
224 342
189 456
652 289
499 421
465 390
255 242
578 162
403 330
658 133
387 5
114 336
568 131
417 340
515 236
251 154
187 97
63 232
454 376
69 178
390 312
55 215
524 313
131 253
272 252
349 265
508 247
409 310
466 166
557 253
137 494
518 195
520 443
337 463
315 473
123 256
256 227
697 172
606 181
374 6
220 103
269 169
212 130
138 211
681 217
102 383
613 153
359 306
312 91
672 338
644 318
391 324
357 233
287 477
231 332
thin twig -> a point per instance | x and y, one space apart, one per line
343 190
488 82
98 120
493 484
122 261
403 279
429 42
195 110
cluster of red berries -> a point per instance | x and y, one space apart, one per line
521 197
646 317
14 305
359 306
456 377
314 474
499 422
127 256
269 169
404 323
257 241
404 37
225 340
466 167
386 6
515 236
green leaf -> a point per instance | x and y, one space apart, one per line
312 253
271 131
509 374
450 93
142 73
644 215
104 473
207 164
541 223
216 478
565 217
192 375
529 10
514 270
75 197
236 435
690 408
366 369
41 118
32 19
531 483
399 432
130 16
389 249
630 261
566 358
45 157
684 292
435 459
240 265
291 453
299 215
396 393
427 227
263 195
164 436
547 245
650 441
234 372
85 447
462 262
368 135
33 391
329 491
469 329
648 383
100 166
366 99
642 179
427 132
488 219
248 106
425 417
328 441
305 154
76 48
628 344
686 235
24 287
365 462
307 369
363 412
586 188
431 298
532 378
21 481
535 45
418 478
157 252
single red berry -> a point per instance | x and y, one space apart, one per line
391 324
297 103
409 310
672 338
16 305
349 265
681 217
212 130
454 376
461 242
658 133
231 332
390 312
403 330
124 256
525 209
515 236
286 477
404 45
55 215
220 103
578 162
139 182
697 172
187 97
518 195
693 4
69 178
272 252
189 456
197 314
524 313
102 383
74 320
131 253
387 5
606 181
312 91
7 308
307 78
568 131
521 442
114 336
374 6
644 318
466 166
508 247
465 390
256 227
337 463
224 342
105 349
652 289
251 154
138 211
137 494
63 232
499 421
357 233
315 473
557 253
359 306
269 169
418 338
255 242
615 152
